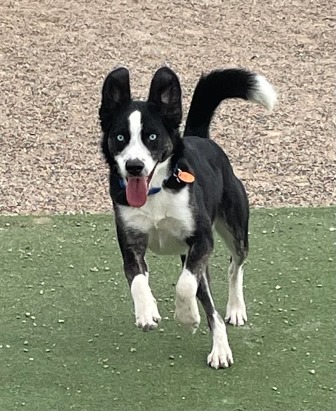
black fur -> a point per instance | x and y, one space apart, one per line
210 91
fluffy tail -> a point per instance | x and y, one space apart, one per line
220 85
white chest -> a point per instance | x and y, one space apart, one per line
167 219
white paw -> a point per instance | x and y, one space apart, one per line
186 311
221 354
236 312
147 315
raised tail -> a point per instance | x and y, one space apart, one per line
220 85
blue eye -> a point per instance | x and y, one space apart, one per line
152 137
120 137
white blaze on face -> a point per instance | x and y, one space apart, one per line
135 126
135 149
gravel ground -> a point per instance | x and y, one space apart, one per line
54 56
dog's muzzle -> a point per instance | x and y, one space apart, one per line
137 186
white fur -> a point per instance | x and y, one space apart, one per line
166 217
145 307
135 149
236 309
221 355
186 311
263 92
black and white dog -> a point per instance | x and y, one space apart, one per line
169 192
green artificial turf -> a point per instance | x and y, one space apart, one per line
68 339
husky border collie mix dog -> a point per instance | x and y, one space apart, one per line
169 192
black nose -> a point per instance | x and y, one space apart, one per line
134 167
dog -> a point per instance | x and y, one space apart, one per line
170 192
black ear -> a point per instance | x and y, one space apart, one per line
116 92
165 92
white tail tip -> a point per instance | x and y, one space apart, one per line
263 92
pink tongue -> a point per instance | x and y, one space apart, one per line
136 191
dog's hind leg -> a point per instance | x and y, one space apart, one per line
235 308
232 225
133 247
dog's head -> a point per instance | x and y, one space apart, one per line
138 136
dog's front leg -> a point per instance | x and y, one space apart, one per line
147 315
194 282
133 247
186 312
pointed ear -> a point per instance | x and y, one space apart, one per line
165 92
116 92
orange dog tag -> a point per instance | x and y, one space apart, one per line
185 176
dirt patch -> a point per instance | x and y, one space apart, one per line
55 55
42 220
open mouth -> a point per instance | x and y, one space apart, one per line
137 189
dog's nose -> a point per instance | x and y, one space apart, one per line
134 167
